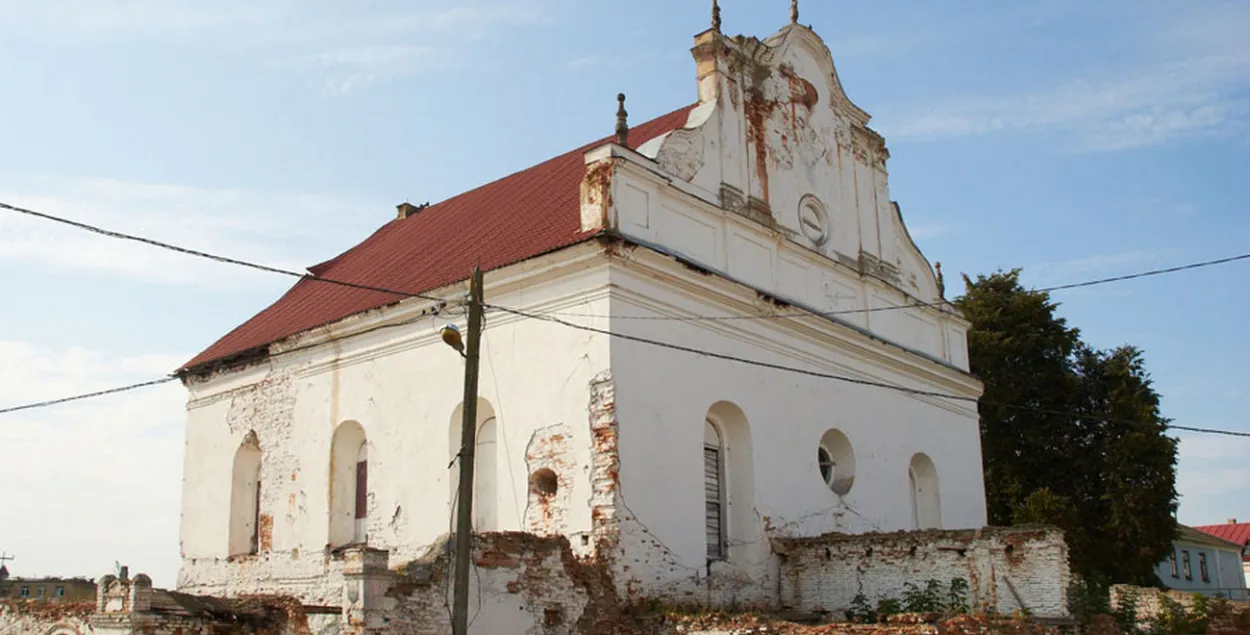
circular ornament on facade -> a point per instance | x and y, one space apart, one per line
813 220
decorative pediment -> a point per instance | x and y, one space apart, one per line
777 140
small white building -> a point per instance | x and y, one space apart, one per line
635 275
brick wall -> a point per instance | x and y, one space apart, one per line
1006 568
901 625
1150 600
23 618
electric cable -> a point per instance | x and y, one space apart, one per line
914 305
550 318
842 378
209 256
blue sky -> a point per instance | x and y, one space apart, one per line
1075 141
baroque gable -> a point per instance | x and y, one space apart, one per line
776 139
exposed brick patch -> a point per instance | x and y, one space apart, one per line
605 463
545 510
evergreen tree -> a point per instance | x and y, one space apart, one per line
1071 436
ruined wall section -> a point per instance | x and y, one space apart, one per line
24 618
1007 569
266 405
521 583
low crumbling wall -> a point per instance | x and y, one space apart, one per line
170 614
1007 569
1150 601
26 617
520 583
898 625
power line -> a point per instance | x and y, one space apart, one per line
98 393
305 276
842 378
208 256
549 317
1143 274
686 349
163 380
914 305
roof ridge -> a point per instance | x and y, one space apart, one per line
321 267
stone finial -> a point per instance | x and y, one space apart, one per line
622 121
794 11
940 282
716 16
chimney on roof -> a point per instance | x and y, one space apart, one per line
622 121
407 209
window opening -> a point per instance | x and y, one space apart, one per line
362 494
826 463
714 491
1202 567
1185 565
836 460
545 483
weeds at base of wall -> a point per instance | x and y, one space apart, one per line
935 598
1091 602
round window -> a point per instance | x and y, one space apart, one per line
836 461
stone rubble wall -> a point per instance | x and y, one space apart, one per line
1007 569
899 625
1150 600
25 618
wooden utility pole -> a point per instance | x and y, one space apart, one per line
468 441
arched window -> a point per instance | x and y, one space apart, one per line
485 466
731 525
714 490
926 502
362 494
349 485
485 475
244 536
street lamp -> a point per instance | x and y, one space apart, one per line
451 337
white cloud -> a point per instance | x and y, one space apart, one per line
584 61
289 231
1192 84
129 16
347 69
1086 267
100 480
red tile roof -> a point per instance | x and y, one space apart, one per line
1232 532
520 216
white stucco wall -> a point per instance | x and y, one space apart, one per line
663 396
403 386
